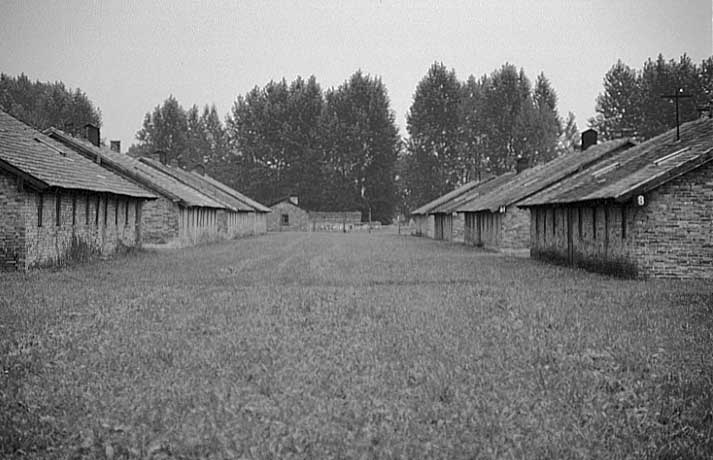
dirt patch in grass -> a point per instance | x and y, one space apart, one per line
351 346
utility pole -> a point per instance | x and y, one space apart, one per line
678 95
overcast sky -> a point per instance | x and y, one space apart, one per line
130 56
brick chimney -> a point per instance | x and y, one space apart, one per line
589 138
115 146
158 155
92 133
521 165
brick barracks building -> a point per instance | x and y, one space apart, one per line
56 205
644 212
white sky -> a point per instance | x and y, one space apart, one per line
128 56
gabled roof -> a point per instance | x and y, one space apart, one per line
532 180
199 184
484 187
137 171
284 198
637 170
44 163
259 207
428 207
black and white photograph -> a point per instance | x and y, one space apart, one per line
356 229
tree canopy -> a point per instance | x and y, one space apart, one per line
631 103
44 105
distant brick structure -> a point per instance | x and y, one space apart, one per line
647 212
56 206
287 216
334 221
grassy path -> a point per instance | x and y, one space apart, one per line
351 346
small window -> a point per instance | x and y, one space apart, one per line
40 205
285 219
58 210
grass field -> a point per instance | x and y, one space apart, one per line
351 346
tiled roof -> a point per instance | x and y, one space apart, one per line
534 179
45 163
259 207
426 208
137 171
485 187
637 170
196 181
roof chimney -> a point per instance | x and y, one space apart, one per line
295 200
589 138
158 155
92 133
115 146
521 165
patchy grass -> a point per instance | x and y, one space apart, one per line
351 346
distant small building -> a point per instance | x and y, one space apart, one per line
286 215
180 216
56 205
492 219
644 212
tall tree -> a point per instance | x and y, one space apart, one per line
360 143
433 124
570 139
538 127
166 129
472 155
43 105
507 109
632 103
273 136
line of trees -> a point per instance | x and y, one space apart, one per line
43 105
335 149
463 131
631 103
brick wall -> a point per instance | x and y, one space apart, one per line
424 225
159 221
508 230
673 233
25 242
261 223
12 226
298 219
458 227
670 236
